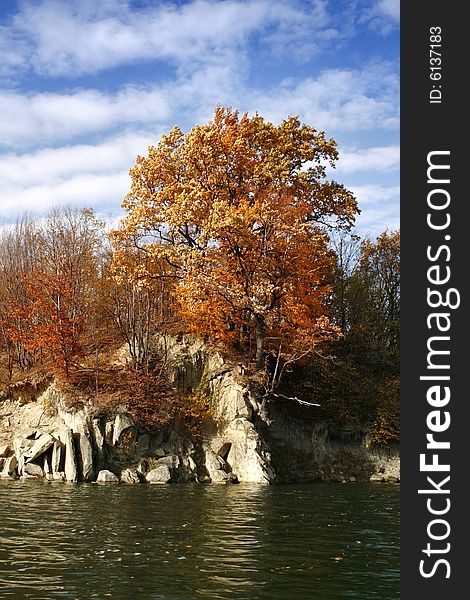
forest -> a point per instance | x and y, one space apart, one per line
233 233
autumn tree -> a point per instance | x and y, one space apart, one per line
140 304
17 263
237 210
52 295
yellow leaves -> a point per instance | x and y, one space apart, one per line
233 208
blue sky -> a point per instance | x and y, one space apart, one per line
86 85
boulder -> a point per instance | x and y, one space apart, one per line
105 476
216 467
33 470
160 474
376 478
130 476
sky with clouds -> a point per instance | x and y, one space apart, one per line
86 85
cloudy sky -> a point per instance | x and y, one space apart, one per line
86 85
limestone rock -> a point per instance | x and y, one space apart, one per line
376 478
160 474
219 476
47 468
30 433
121 423
213 467
56 463
130 476
10 467
244 452
70 466
33 470
85 452
105 476
108 432
98 434
171 461
43 443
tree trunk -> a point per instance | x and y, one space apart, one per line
260 334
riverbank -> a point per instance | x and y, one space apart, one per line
246 438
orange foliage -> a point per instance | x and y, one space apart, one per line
238 209
48 322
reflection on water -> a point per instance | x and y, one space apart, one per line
77 542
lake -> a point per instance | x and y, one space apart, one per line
179 542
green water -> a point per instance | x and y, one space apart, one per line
188 541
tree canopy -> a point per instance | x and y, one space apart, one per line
238 211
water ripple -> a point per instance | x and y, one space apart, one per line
184 542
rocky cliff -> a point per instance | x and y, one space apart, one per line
246 440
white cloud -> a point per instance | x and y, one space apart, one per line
374 194
53 165
84 36
389 8
83 175
337 100
383 16
40 118
380 207
104 192
381 158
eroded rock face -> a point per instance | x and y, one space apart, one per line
43 443
235 441
70 463
248 440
